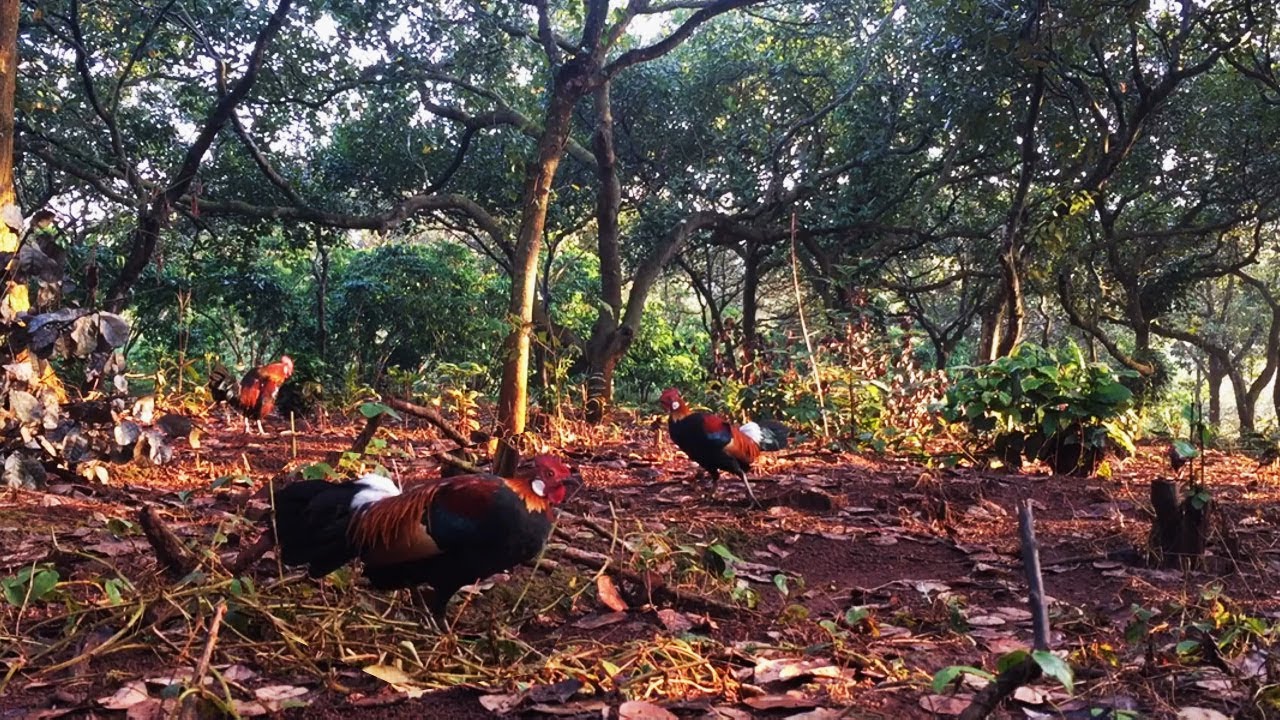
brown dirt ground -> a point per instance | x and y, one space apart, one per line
933 553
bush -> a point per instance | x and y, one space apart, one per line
1046 404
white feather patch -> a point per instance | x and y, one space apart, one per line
374 488
753 431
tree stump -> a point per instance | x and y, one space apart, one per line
1180 529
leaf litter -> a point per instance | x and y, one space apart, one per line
927 596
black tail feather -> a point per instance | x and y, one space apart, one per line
311 525
223 386
775 434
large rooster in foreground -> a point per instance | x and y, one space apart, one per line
716 444
255 395
445 533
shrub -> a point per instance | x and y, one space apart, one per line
1046 404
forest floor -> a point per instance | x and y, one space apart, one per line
860 579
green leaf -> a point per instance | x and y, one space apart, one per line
318 471
780 582
1011 659
373 409
112 589
855 615
724 552
948 675
1185 450
1054 667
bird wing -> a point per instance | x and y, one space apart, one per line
716 429
426 520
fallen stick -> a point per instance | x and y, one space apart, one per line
174 557
202 667
431 416
1028 671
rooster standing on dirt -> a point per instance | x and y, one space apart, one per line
255 396
445 534
715 444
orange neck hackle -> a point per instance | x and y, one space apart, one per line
543 486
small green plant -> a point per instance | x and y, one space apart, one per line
31 585
1046 404
1051 665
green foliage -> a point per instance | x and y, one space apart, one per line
1049 404
34 584
409 306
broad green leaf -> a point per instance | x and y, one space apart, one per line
1054 667
948 675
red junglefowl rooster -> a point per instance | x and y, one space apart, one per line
255 395
715 444
444 533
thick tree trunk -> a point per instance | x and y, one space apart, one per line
539 175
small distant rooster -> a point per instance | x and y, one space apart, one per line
715 444
444 534
255 395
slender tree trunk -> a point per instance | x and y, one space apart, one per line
539 175
750 303
1216 374
607 343
1244 408
992 321
320 267
15 295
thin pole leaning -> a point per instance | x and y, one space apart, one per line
804 330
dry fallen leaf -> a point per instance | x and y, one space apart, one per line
501 703
396 678
639 710
945 704
782 669
608 594
1199 713
591 622
274 697
130 694
674 621
818 714
775 702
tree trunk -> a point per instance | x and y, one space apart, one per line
539 174
1244 408
750 303
1216 374
320 269
607 343
992 321
15 295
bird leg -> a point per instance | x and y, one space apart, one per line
246 425
751 494
428 600
260 430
